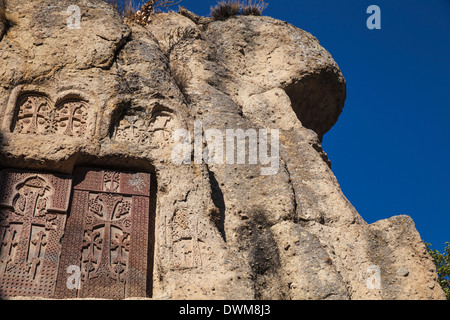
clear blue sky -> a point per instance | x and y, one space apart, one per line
390 148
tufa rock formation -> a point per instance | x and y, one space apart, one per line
88 180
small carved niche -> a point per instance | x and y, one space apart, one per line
72 118
33 114
132 127
136 127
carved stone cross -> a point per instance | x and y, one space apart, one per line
9 242
33 192
73 117
132 129
39 242
33 115
121 243
107 235
32 220
111 181
107 218
92 241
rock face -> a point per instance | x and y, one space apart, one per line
112 96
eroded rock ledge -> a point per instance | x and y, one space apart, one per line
217 231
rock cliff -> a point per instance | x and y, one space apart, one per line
217 230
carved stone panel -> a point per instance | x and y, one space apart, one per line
107 235
33 209
72 118
161 127
156 131
184 241
35 114
132 129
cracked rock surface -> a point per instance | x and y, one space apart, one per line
289 235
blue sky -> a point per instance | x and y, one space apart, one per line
390 148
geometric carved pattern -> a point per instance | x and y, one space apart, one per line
107 235
157 130
36 116
32 220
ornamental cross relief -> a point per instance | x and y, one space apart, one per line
35 115
8 244
109 215
31 204
31 227
107 235
72 119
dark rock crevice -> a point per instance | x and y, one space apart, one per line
217 214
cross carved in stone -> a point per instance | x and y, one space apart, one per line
91 241
30 212
111 181
122 244
73 117
33 115
108 219
8 243
38 242
32 221
132 129
107 235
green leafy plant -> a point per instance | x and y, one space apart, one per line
442 262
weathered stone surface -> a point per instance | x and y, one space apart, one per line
221 231
3 20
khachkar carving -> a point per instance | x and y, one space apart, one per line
156 131
185 240
72 118
35 115
132 129
33 211
161 128
107 235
